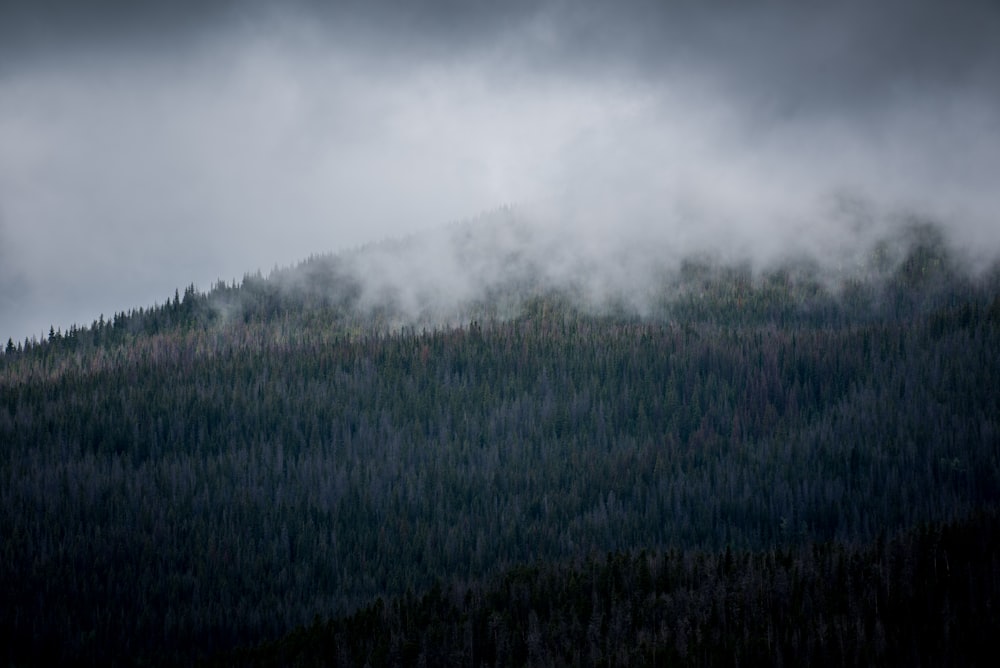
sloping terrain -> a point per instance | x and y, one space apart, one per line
218 470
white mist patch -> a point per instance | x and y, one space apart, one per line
128 173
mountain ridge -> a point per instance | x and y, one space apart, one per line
178 482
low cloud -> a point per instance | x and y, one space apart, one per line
237 139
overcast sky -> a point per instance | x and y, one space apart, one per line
146 146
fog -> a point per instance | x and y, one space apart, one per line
145 149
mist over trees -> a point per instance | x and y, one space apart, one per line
217 470
719 386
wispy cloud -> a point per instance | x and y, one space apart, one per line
143 150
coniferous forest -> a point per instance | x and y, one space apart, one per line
766 466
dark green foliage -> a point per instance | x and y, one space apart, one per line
223 468
925 597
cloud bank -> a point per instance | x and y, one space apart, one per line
144 148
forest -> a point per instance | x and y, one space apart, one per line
923 597
761 467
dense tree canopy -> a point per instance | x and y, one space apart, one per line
220 469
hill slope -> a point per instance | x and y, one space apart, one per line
220 469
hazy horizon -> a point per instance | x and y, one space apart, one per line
142 150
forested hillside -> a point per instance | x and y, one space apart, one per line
924 597
213 472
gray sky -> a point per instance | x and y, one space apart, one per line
145 146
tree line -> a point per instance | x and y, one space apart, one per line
176 491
